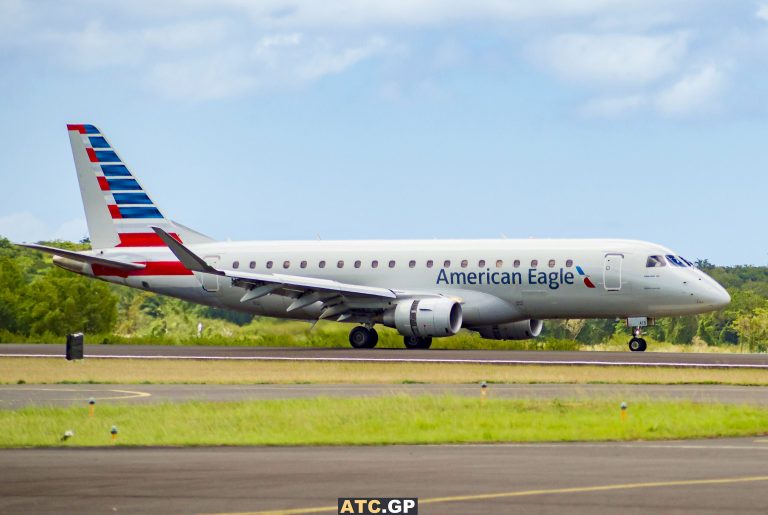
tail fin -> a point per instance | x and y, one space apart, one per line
118 210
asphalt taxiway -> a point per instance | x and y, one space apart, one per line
493 357
17 396
712 476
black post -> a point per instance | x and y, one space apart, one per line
74 346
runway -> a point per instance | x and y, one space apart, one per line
494 357
18 396
712 476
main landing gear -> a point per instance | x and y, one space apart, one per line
637 344
414 342
362 337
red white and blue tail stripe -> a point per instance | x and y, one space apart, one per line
118 210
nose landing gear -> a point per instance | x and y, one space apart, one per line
637 344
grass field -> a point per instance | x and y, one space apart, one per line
374 421
53 370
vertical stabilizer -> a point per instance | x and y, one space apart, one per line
117 208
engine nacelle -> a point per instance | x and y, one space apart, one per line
522 330
425 317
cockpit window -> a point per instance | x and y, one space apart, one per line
655 262
685 261
675 260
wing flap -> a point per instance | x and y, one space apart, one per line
254 282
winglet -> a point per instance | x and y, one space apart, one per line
188 258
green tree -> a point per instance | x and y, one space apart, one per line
61 302
752 328
12 289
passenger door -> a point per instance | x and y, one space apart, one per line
612 272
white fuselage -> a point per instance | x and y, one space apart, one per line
497 281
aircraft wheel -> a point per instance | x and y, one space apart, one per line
414 342
637 345
374 338
363 338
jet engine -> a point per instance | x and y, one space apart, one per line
422 318
522 330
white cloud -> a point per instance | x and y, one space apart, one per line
208 77
98 46
619 52
327 61
612 58
762 12
26 227
614 106
412 13
695 93
276 60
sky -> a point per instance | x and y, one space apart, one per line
402 119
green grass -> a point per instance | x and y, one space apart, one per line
376 421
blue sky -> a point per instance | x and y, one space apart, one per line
403 119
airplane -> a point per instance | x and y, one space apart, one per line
502 289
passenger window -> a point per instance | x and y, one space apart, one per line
481 263
551 263
392 264
236 264
321 264
286 264
499 263
340 264
464 263
303 264
516 264
568 263
411 263
447 263
673 259
534 263
357 264
374 264
252 265
269 264
655 262
430 263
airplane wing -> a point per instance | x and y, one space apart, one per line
83 258
339 299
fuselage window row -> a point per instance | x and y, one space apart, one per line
653 261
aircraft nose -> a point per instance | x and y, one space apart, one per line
716 296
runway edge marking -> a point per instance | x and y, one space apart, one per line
415 360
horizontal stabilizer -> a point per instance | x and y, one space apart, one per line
84 258
188 258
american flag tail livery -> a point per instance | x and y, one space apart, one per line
118 210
